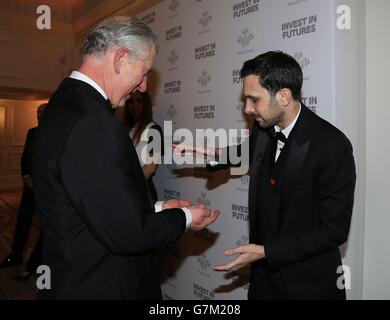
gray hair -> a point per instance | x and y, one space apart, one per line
121 32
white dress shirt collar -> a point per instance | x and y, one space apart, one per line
287 131
82 77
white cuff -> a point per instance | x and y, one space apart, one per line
158 206
188 217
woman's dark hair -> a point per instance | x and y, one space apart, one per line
276 70
145 118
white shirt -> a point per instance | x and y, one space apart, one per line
82 77
286 133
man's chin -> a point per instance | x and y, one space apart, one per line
261 122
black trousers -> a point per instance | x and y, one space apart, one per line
264 285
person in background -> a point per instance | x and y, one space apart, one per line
26 211
146 135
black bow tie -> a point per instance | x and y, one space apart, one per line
280 136
276 135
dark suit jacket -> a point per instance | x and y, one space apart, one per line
27 153
314 212
100 228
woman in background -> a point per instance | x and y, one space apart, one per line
146 135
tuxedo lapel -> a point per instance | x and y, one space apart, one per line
299 145
257 161
260 146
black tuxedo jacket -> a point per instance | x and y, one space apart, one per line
99 227
313 215
27 153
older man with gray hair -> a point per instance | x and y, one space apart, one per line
100 228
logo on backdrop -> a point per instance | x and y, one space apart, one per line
204 264
172 112
149 18
173 33
236 77
245 180
205 19
204 200
244 40
171 194
311 103
244 184
240 212
173 5
202 293
241 116
204 112
172 87
304 62
243 8
243 241
299 27
204 22
204 79
205 51
172 59
167 297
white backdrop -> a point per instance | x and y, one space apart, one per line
203 44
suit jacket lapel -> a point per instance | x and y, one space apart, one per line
260 145
299 145
257 160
